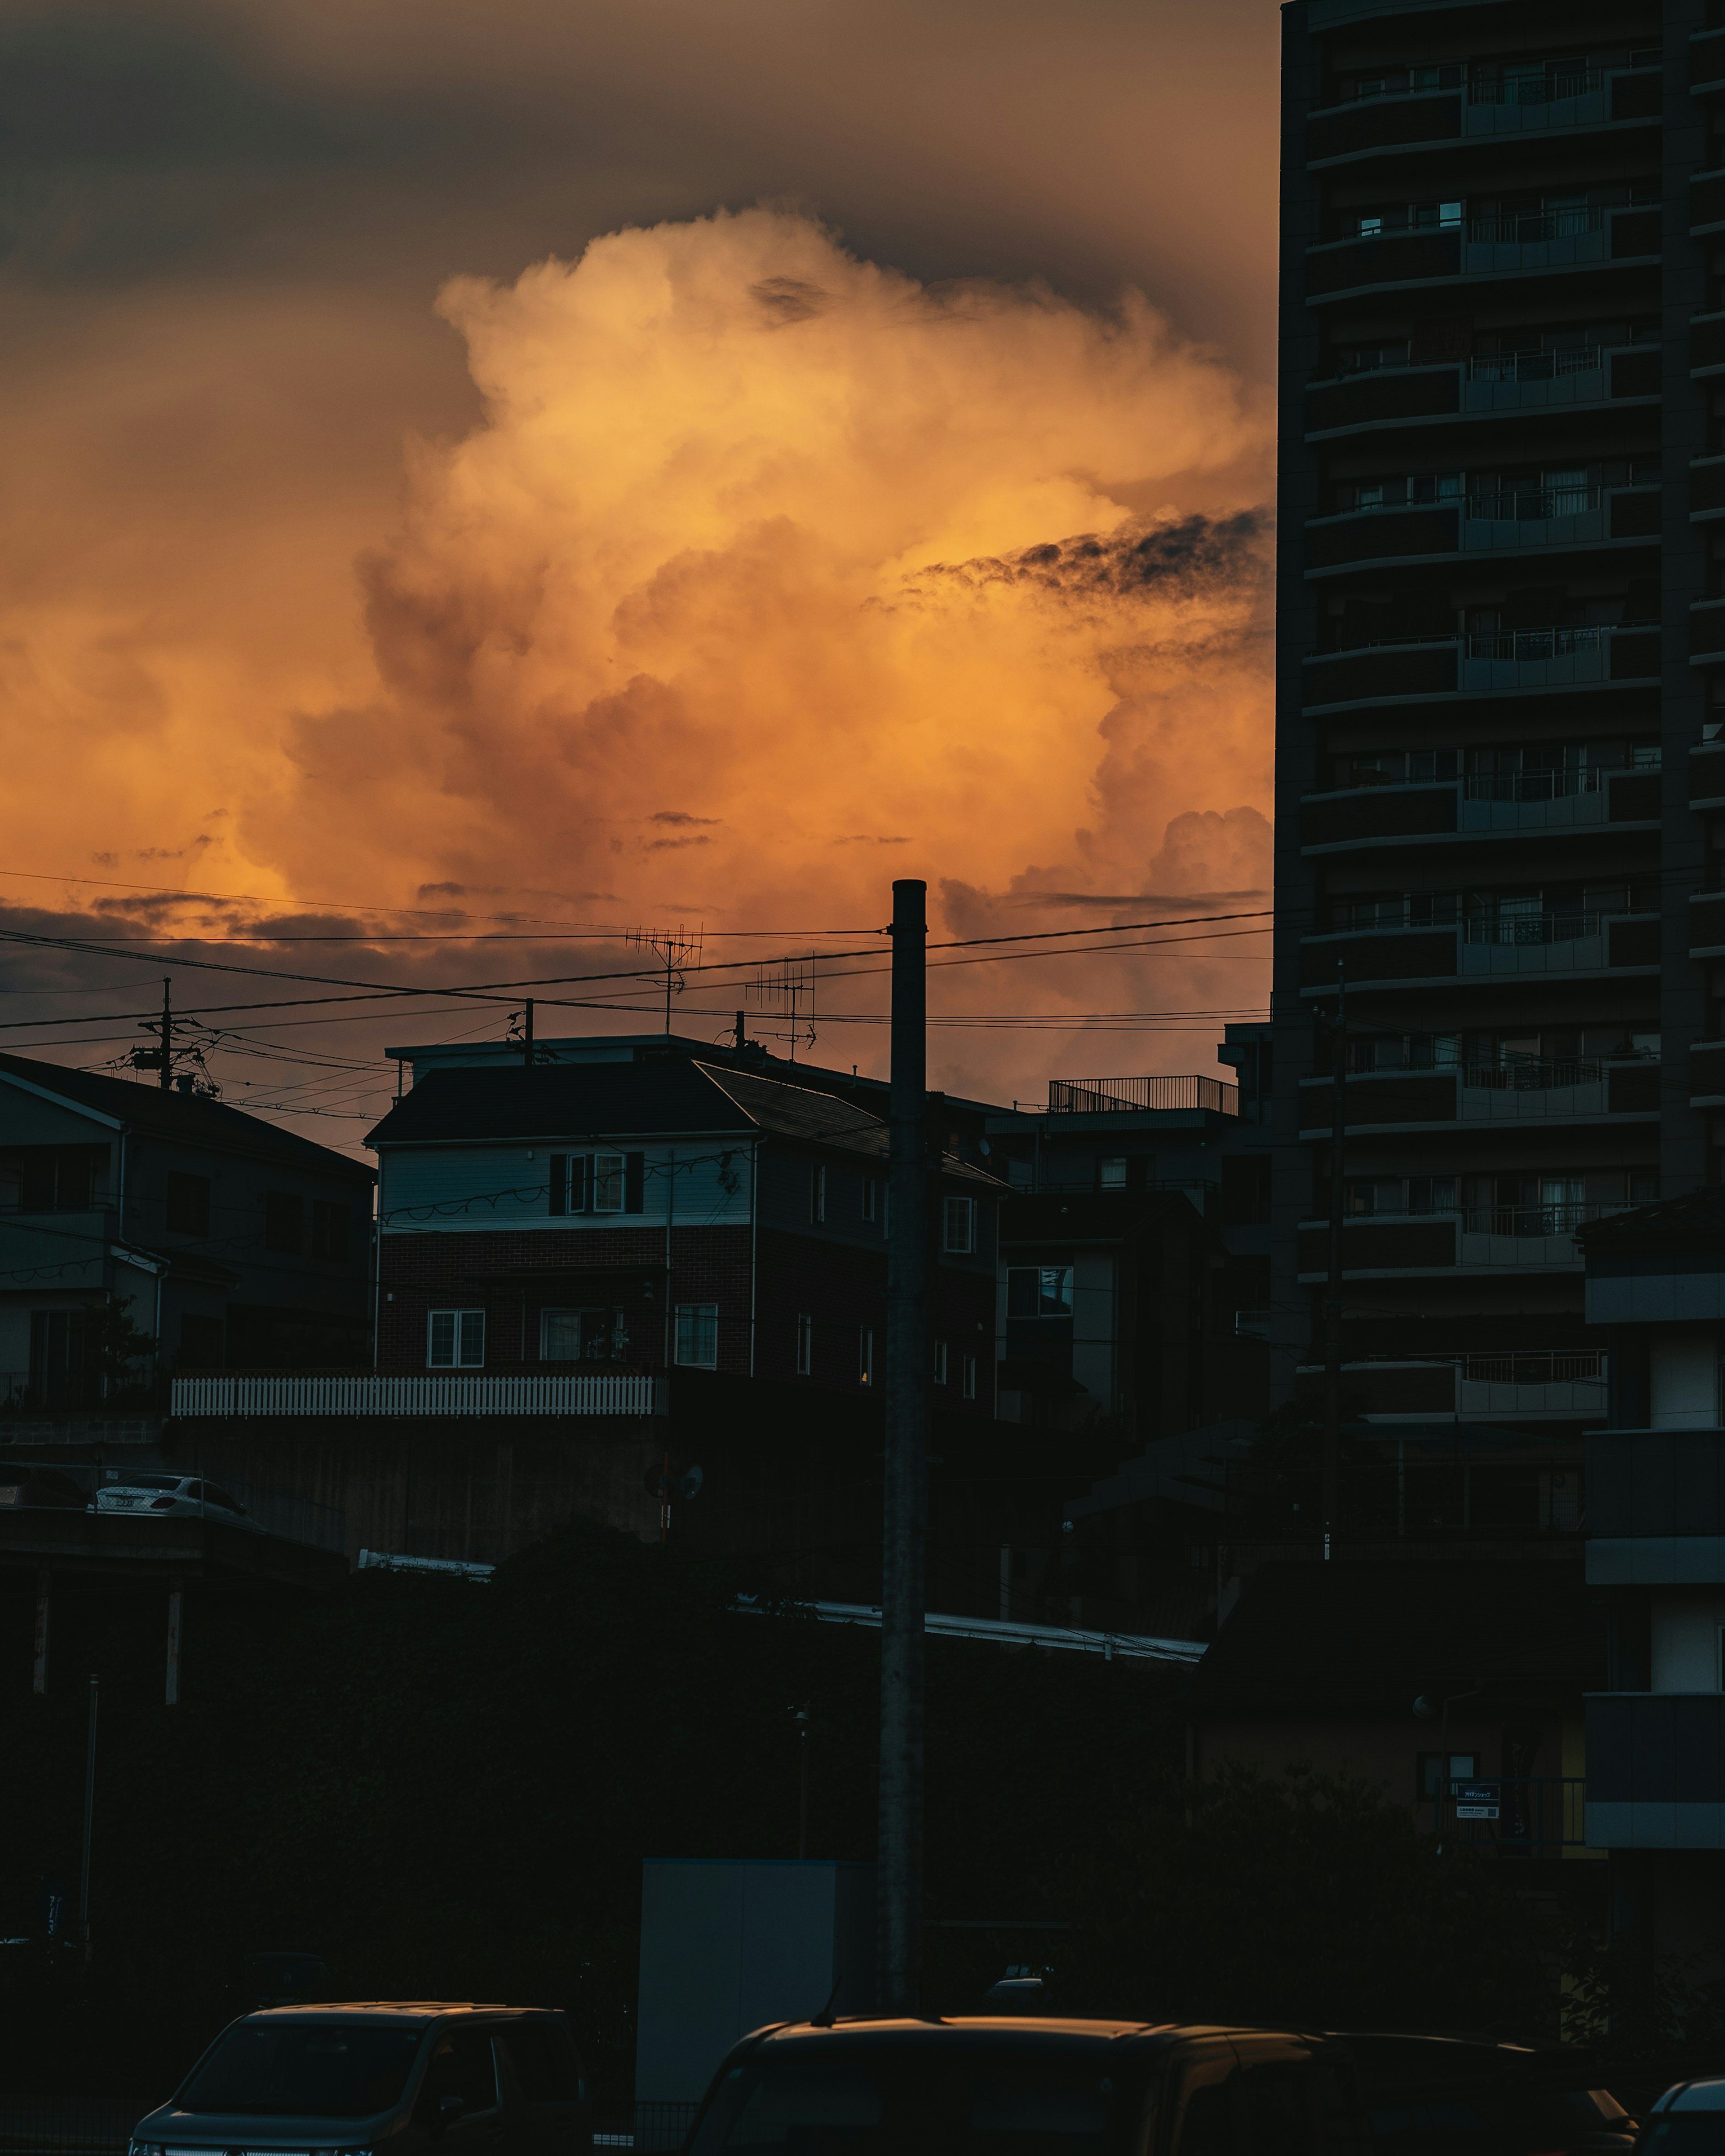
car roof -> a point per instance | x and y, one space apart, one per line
1700 2095
403 2010
870 2031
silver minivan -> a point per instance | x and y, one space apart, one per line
396 2079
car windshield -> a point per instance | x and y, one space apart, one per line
887 2102
304 2070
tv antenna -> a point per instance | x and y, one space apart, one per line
676 949
785 988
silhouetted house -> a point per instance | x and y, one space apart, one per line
623 1216
220 1237
1321 1665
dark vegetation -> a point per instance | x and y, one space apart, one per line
445 1789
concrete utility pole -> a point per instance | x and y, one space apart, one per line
167 1033
527 1035
1333 1292
899 1880
89 1750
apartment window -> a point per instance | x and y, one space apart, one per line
805 1344
610 1180
817 1194
969 1374
557 1184
455 1339
1039 1290
188 1204
866 1356
329 1230
958 1225
698 1334
284 1222
940 1361
870 1198
1111 1174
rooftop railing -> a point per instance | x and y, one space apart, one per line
1107 1096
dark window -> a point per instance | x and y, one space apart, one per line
1278 2110
635 1182
58 1377
53 1178
284 1222
542 2054
201 1343
462 2065
329 1229
188 1204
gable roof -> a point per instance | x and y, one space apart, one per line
607 1103
1368 1639
191 1118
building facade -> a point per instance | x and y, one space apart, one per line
612 1214
1501 675
130 1215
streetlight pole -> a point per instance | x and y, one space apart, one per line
1332 1293
89 1758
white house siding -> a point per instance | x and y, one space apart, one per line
468 1189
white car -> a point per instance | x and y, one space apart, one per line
173 1496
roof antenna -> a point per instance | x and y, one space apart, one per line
826 2017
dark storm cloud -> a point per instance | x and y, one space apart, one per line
1188 556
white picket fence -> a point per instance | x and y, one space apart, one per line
437 1393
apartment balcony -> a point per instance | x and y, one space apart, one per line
1707 489
1706 1073
1707 924
1655 1764
1707 775
1478 806
1500 663
1541 1385
1516 382
1530 1090
233 1396
1656 1507
1494 1238
1482 110
1527 242
1707 344
1538 946
1706 631
1525 521
1707 61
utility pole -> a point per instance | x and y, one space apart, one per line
899 1878
89 1756
527 1035
1332 1293
167 1033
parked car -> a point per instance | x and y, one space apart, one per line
173 1496
1059 2087
24 1487
507 2080
1426 2096
1688 2120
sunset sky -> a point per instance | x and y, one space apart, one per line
537 471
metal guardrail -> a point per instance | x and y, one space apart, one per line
234 1397
1101 1096
652 2125
1540 1367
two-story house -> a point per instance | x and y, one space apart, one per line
132 1214
650 1215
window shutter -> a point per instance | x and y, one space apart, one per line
559 1181
634 1181
578 1182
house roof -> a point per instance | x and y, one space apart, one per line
1697 1219
1364 1639
608 1102
191 1118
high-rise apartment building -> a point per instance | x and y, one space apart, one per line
1500 673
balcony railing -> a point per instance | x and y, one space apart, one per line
1536 1367
234 1396
1537 366
1533 928
1533 226
1563 1218
1106 1096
